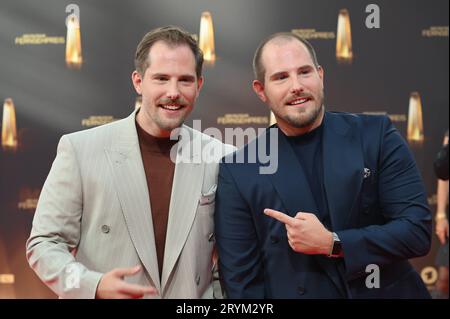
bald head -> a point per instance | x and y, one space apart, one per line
278 39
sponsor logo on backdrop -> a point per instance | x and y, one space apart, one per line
314 34
394 117
242 118
28 204
7 279
38 39
28 198
96 120
435 32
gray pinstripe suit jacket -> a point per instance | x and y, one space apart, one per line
94 215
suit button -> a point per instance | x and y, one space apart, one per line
211 237
274 239
366 211
197 280
301 290
105 229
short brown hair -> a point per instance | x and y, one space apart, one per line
173 36
258 68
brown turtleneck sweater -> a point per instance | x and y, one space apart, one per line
159 171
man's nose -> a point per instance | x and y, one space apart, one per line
173 92
297 86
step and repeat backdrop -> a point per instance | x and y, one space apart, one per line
65 66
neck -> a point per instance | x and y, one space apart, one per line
290 130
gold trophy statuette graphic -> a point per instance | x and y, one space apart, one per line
206 38
344 52
9 128
74 59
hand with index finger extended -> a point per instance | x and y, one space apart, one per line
282 217
305 232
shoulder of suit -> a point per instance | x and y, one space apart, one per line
101 135
360 116
361 120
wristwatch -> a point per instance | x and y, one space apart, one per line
336 250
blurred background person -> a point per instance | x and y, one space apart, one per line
441 170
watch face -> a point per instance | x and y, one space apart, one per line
337 248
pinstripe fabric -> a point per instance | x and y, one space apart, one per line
94 215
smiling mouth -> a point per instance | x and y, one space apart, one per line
299 101
171 107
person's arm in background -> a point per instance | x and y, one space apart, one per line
442 230
441 162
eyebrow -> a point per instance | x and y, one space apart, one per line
188 77
302 68
184 76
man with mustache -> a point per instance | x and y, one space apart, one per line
127 208
345 209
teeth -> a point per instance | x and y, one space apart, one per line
300 101
171 107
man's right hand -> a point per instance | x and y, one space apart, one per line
113 286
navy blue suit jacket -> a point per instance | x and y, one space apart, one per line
377 205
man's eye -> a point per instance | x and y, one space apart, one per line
281 77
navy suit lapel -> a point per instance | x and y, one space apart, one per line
295 193
343 166
343 171
290 181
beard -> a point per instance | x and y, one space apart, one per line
169 123
304 117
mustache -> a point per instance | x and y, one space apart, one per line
299 96
180 101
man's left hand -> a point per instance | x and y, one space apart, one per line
305 233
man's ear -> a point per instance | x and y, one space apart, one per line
320 71
136 78
199 84
258 87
